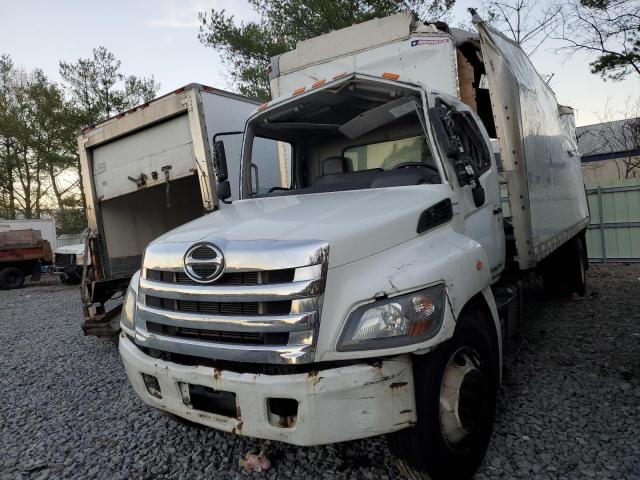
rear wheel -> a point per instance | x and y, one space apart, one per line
11 277
565 271
456 388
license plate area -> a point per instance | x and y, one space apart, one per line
209 400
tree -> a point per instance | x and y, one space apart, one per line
525 22
99 89
607 29
247 47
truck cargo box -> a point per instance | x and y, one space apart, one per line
490 73
149 170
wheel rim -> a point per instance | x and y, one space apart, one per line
462 398
12 278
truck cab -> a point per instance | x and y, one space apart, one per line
364 290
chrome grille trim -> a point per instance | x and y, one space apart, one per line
231 293
306 261
243 256
286 354
263 323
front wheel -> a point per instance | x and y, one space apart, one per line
456 388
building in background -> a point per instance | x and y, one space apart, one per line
610 151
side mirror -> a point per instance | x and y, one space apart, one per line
478 194
224 191
435 117
220 161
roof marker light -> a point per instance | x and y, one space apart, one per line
207 88
318 83
390 76
180 90
298 91
339 75
262 106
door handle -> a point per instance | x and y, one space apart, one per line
497 211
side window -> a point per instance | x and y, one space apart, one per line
472 141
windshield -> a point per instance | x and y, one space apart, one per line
359 135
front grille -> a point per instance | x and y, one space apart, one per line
64 259
204 252
242 338
282 307
232 278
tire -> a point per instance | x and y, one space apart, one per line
10 278
565 272
71 279
440 446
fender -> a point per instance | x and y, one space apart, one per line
441 255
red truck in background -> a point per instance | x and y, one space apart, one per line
22 253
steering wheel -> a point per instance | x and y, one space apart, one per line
416 164
273 189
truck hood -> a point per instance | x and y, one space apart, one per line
77 249
356 223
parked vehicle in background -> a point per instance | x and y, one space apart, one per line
46 227
69 262
23 253
369 287
146 171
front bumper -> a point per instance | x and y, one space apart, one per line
334 405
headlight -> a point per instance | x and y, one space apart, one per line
393 322
127 317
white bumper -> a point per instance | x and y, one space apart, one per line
334 405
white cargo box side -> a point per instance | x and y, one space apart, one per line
547 198
397 44
118 163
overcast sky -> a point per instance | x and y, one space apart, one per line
159 38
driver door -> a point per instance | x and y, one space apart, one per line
483 223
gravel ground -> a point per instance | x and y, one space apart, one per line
569 407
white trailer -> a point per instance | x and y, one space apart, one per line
46 227
146 171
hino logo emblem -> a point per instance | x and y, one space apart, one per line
204 263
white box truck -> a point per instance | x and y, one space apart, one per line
144 172
368 290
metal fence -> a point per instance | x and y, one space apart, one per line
614 232
64 240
